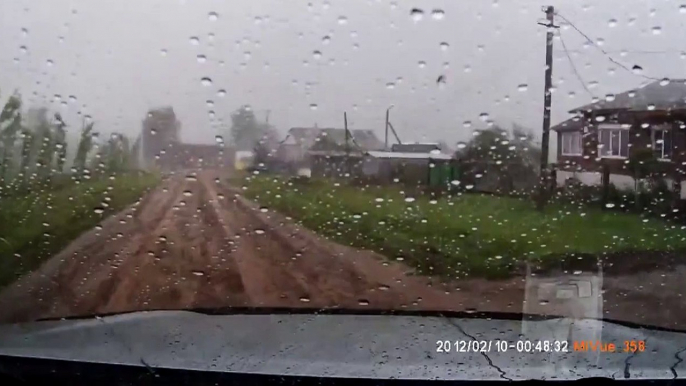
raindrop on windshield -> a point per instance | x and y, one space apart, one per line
201 58
417 14
326 39
221 93
198 273
523 87
657 30
612 23
194 40
317 55
637 69
213 16
313 106
206 81
49 63
438 14
682 8
219 139
342 20
422 64
444 46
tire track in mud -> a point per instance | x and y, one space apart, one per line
195 242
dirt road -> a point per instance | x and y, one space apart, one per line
194 242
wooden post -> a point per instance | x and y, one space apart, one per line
605 180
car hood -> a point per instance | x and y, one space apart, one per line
369 346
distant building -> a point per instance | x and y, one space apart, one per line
300 141
416 147
161 147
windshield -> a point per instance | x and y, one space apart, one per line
513 157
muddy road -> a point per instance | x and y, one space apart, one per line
194 242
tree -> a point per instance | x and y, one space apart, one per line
10 126
85 146
246 130
510 156
60 143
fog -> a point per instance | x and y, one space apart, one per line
306 62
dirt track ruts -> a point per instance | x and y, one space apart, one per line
194 242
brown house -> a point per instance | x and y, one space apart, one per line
610 132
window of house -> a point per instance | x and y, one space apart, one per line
613 141
571 143
661 139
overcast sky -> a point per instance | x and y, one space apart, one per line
309 61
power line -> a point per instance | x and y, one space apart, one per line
571 62
602 50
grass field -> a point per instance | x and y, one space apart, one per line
468 235
36 226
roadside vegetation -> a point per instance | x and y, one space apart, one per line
458 236
50 193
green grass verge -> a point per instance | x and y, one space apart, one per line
467 235
38 225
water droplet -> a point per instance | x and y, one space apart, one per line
390 85
206 81
363 302
664 82
313 106
219 139
209 103
609 97
422 64
259 231
221 93
461 145
637 69
305 299
49 63
23 49
657 30
194 40
213 16
600 118
342 20
612 23
444 46
326 39
163 52
201 58
438 14
610 205
198 273
417 14
522 87
24 32
98 210
317 55
384 287
409 199
484 117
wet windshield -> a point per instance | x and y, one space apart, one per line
515 157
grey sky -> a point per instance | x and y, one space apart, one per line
262 54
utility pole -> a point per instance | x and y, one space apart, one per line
347 142
388 122
547 101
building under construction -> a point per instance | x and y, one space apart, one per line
161 147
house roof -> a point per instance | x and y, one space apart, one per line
572 124
309 136
415 147
404 155
663 95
